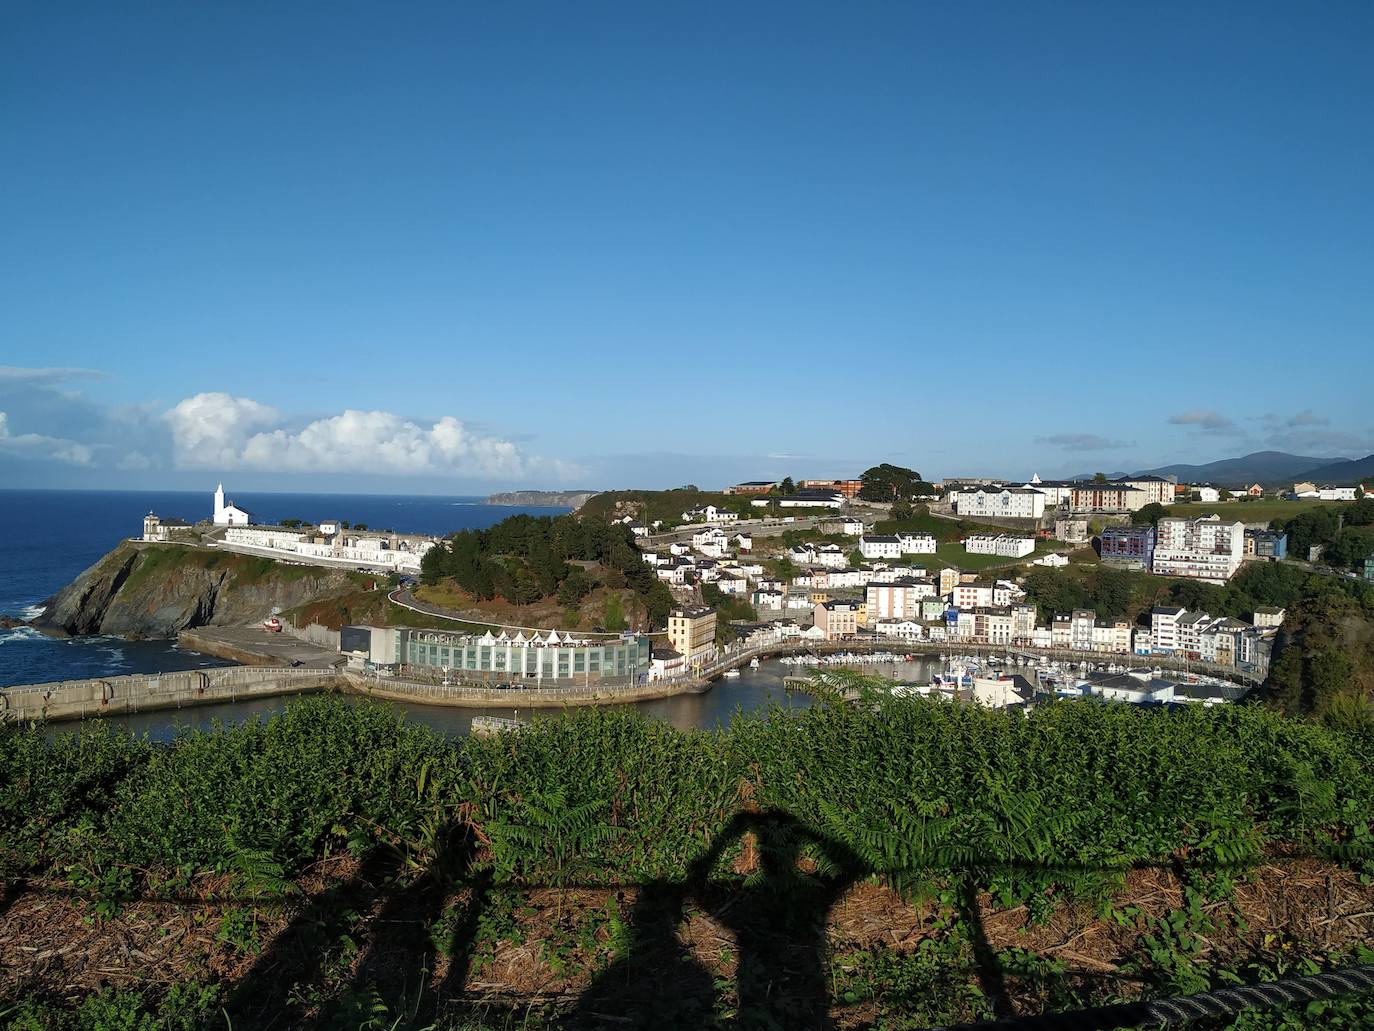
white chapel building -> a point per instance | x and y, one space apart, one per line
229 514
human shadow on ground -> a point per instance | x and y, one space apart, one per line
778 919
400 950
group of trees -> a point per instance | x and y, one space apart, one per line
1106 591
1345 532
526 558
892 483
1151 513
1323 660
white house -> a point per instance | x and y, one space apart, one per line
831 556
904 628
917 543
157 529
873 546
1002 544
709 514
743 541
732 584
768 599
229 514
1326 492
847 578
1054 560
1208 495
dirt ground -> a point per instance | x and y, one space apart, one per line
597 953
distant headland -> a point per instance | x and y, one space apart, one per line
568 498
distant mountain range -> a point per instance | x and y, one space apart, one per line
1342 471
1270 468
1260 467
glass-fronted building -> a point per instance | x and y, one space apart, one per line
1128 545
538 658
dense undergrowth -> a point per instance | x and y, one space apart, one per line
936 800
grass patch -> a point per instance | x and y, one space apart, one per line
1264 510
953 555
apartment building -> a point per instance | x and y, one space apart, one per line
1128 546
1022 622
692 631
1205 549
1057 492
1164 627
900 599
1114 635
837 620
1003 502
1153 489
1071 530
1107 497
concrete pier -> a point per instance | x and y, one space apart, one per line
103 696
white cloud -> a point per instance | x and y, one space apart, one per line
223 432
49 375
1084 442
36 445
212 430
1207 422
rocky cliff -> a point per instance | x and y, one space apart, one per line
570 498
150 590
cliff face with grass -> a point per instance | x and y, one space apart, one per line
157 590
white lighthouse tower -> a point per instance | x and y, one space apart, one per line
219 506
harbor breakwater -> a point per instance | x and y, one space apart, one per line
77 699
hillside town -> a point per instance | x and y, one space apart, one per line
847 580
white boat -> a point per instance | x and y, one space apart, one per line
731 673
754 663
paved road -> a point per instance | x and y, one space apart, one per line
278 647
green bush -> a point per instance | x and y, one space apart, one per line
906 784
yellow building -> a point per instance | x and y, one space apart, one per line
692 631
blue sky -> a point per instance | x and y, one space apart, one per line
458 247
